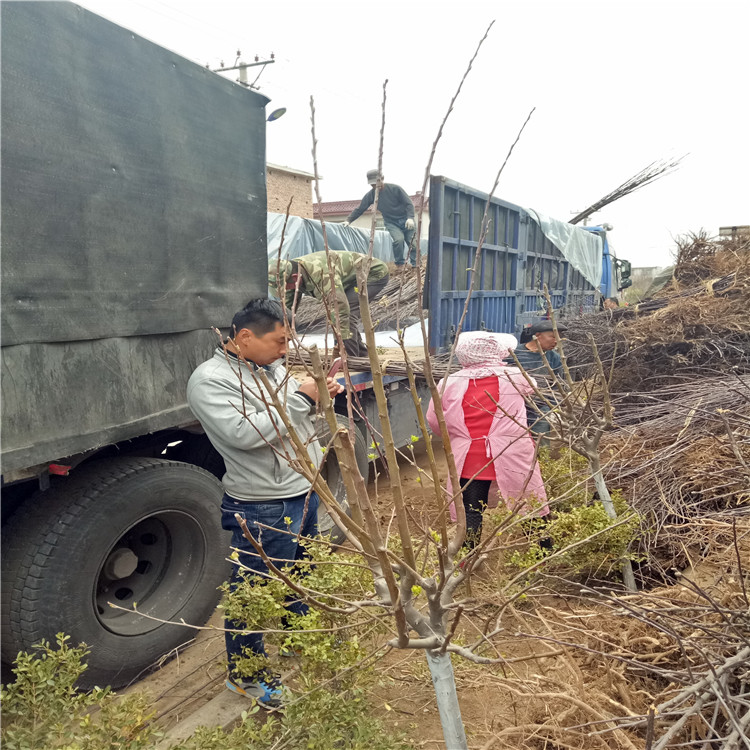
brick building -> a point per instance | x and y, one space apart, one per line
283 183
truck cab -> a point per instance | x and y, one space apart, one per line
615 271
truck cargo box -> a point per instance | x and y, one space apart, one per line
517 262
133 218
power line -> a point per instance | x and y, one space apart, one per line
195 22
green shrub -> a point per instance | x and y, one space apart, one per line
566 479
43 711
575 516
322 720
327 642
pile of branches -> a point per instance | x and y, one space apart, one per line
678 656
700 326
682 455
396 307
680 384
663 668
300 358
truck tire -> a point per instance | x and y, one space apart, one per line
126 530
332 474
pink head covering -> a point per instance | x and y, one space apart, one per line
484 350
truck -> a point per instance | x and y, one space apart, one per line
616 271
133 221
129 226
522 253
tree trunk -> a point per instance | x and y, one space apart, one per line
601 487
444 682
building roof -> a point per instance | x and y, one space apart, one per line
289 170
337 208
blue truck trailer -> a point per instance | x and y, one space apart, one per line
521 254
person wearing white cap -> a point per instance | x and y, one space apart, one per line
397 209
485 414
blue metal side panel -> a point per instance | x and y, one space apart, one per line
456 213
517 262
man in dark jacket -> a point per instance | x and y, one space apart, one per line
529 354
398 215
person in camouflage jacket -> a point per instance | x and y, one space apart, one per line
310 273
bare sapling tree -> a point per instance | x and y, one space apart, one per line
416 571
415 580
579 413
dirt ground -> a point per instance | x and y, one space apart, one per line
189 680
404 696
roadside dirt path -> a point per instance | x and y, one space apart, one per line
186 683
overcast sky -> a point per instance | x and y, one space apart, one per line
616 84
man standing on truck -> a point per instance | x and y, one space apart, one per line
397 209
310 274
230 401
529 355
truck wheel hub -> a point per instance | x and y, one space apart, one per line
120 564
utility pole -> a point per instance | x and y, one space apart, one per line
243 66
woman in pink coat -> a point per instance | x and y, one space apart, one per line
485 414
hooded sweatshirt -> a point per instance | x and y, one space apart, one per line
517 476
247 430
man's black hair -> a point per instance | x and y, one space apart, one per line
614 299
295 267
258 315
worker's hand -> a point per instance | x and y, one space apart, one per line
310 388
334 387
409 224
344 223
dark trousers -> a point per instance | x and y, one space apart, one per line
373 289
289 517
475 501
403 241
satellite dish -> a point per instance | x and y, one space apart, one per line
276 114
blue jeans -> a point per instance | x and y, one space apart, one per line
400 236
278 546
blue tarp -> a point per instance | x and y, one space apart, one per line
303 236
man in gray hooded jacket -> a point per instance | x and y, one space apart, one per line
236 411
